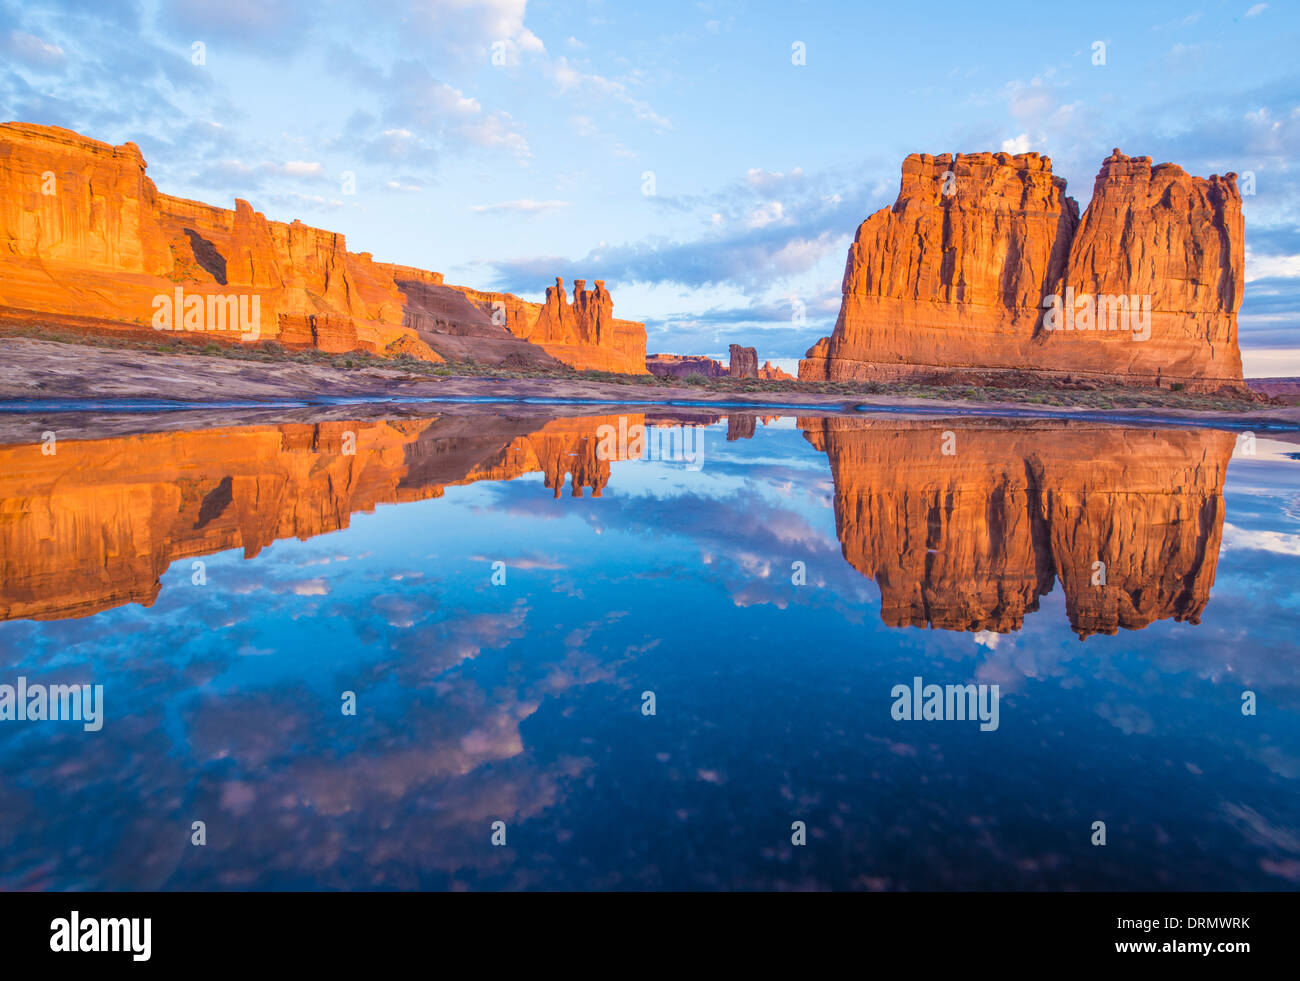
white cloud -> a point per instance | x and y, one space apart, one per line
34 51
1017 144
568 78
524 206
1256 10
1271 266
766 213
470 28
1277 542
302 168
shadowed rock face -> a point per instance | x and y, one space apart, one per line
96 525
85 237
954 275
969 540
744 362
684 365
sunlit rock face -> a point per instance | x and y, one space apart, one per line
964 527
585 333
954 276
96 524
86 239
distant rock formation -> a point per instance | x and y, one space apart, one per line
744 362
683 365
86 239
959 272
965 527
770 373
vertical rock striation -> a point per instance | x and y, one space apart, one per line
1129 520
955 275
86 238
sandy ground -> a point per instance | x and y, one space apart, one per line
254 391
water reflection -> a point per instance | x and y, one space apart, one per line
961 528
520 701
964 528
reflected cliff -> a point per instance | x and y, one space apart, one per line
963 526
759 596
95 525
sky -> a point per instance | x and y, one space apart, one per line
709 160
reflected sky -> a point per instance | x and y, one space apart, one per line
521 702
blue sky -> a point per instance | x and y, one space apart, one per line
509 141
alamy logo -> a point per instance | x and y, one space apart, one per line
102 934
53 703
678 444
230 313
1105 311
946 703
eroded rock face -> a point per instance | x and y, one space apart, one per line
684 365
585 333
744 362
771 373
1129 520
86 237
955 274
96 525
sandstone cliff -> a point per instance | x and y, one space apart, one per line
954 275
86 238
96 525
684 365
743 362
1129 520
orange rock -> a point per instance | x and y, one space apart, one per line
955 274
86 237
774 374
969 540
743 362
97 524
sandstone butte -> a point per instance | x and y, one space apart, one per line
963 542
87 239
970 541
954 282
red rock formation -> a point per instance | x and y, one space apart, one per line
684 365
743 363
86 237
970 539
585 334
954 275
741 426
95 525
770 373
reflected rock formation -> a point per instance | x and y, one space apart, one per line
95 525
1129 520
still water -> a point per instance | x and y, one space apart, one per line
649 671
